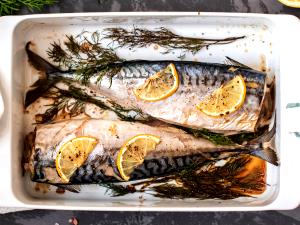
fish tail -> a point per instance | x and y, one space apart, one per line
264 147
268 154
38 62
44 82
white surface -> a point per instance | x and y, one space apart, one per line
4 210
1 105
281 61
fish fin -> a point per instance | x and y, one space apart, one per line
268 154
38 91
232 62
71 188
38 62
44 82
267 106
266 137
265 149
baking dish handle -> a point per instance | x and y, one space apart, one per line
288 88
7 197
1 105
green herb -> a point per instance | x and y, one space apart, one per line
73 101
163 37
9 7
292 105
216 138
221 139
85 56
246 137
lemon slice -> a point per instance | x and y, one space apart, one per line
159 86
291 3
226 99
72 155
133 152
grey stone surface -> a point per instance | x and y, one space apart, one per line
51 217
43 217
254 6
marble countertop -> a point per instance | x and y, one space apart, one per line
53 217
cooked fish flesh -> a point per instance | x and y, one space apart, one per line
175 151
197 80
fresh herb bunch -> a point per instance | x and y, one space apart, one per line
139 37
9 7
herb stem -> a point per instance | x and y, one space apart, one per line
163 37
9 7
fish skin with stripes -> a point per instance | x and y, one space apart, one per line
197 80
175 151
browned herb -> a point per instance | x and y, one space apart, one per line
204 181
139 37
84 55
216 182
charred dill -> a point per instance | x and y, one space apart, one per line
163 37
118 190
215 182
60 104
204 181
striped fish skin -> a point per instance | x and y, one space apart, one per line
176 150
197 80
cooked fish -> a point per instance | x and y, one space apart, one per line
175 151
197 80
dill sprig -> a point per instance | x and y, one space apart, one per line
139 37
73 101
216 138
221 139
201 181
9 7
84 55
215 182
73 107
118 190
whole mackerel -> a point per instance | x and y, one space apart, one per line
175 151
197 80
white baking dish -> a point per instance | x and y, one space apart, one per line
271 39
